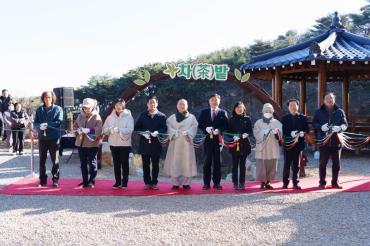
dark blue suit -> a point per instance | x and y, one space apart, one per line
212 146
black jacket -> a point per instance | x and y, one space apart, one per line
17 117
146 123
336 118
4 103
239 125
298 123
220 123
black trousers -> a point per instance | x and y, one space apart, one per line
89 163
238 165
212 157
325 153
291 160
52 146
18 140
153 178
120 156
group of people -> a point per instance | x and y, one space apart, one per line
13 123
180 129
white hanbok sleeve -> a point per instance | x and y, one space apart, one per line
258 131
128 128
192 131
171 129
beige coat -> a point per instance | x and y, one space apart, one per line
94 123
269 148
125 124
180 158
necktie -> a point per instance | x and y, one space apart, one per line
213 115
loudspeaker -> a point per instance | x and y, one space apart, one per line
65 96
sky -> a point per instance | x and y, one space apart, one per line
49 43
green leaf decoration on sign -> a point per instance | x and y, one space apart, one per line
146 76
245 77
238 74
139 82
171 70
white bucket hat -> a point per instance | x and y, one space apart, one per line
88 103
267 106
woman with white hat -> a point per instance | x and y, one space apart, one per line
267 132
87 124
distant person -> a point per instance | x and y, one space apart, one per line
8 123
329 118
212 121
241 126
180 164
151 123
21 120
48 120
119 126
88 122
266 131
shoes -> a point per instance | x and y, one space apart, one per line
55 184
269 187
241 187
116 186
147 187
285 186
217 187
297 187
336 186
20 153
155 187
263 185
186 187
41 184
322 187
175 187
206 187
235 187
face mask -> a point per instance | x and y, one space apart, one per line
267 115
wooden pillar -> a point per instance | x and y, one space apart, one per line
321 85
278 88
345 94
302 100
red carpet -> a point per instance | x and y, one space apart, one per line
67 187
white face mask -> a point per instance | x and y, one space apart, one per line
267 115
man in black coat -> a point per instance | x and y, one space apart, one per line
294 125
329 118
151 123
212 122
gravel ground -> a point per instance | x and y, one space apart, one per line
244 219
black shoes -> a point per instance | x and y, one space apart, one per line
186 187
285 186
116 186
268 186
206 187
41 184
55 184
175 187
336 186
235 187
322 187
263 185
217 187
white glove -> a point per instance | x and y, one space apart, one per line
245 135
293 134
266 131
337 128
301 134
325 127
85 130
43 126
185 133
236 138
209 129
275 131
79 131
146 135
115 130
111 130
216 132
344 127
154 134
124 131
